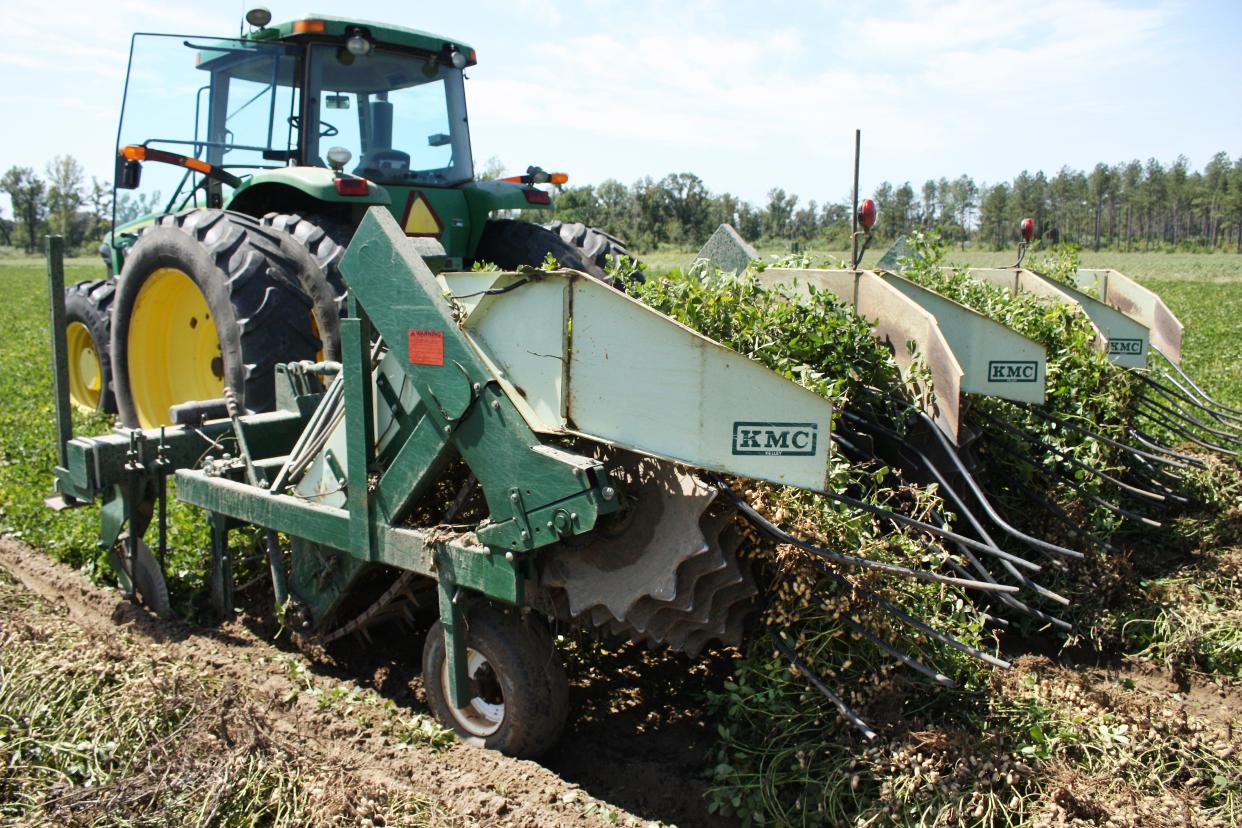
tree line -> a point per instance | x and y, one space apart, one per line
1128 206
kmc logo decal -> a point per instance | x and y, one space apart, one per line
1129 347
776 439
1013 371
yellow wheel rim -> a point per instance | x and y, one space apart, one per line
85 372
174 350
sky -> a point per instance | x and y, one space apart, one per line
747 95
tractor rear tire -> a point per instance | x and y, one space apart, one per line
522 694
88 333
325 238
510 244
208 299
598 246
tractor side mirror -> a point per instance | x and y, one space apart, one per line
440 139
128 173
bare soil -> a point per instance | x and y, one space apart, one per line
633 754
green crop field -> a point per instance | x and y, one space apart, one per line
1079 732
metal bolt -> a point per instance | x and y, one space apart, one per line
509 556
609 492
495 405
525 535
514 497
476 387
573 516
448 429
550 526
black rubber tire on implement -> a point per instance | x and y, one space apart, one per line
531 677
598 246
90 304
258 285
510 244
325 238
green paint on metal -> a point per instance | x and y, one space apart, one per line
313 182
221 575
453 621
458 389
321 576
381 33
359 430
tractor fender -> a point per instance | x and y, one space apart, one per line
486 197
295 189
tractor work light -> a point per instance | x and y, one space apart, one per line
458 58
358 43
259 17
338 157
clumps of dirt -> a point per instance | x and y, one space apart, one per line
124 716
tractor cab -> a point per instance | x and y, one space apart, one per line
311 106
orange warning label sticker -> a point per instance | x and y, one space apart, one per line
426 347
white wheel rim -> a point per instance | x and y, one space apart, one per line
481 717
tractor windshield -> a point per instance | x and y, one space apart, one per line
402 116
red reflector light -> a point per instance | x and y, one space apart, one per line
534 196
351 186
866 213
1028 228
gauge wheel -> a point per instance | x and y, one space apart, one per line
209 299
88 333
519 692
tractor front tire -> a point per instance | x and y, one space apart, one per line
88 335
520 694
209 299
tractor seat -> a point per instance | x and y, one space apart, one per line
382 164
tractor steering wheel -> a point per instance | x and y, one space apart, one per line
327 130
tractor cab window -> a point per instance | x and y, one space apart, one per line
229 102
401 116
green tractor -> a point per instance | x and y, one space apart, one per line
255 159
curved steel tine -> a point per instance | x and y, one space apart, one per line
1155 445
1063 517
902 615
1180 431
971 484
1187 418
1021 606
1179 392
785 650
1073 484
1069 458
1039 412
1205 395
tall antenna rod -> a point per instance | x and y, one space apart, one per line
854 207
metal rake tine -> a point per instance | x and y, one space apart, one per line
1117 444
1181 431
1069 458
784 649
1191 420
1063 517
906 617
1021 606
1048 474
1205 395
979 495
905 658
1155 445
776 533
1179 391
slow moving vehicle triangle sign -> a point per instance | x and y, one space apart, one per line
419 218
